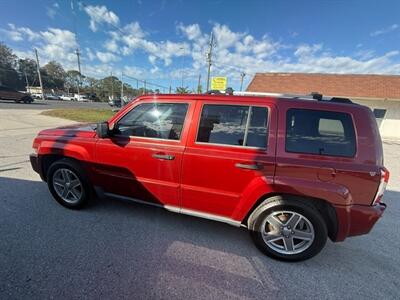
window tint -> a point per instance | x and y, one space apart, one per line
229 125
320 132
257 132
154 120
5 89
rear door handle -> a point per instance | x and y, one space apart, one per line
248 166
163 156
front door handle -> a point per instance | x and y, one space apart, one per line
163 156
248 166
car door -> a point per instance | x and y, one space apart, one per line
7 93
142 159
229 146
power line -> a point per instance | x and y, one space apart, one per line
145 81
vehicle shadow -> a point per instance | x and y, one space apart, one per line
122 249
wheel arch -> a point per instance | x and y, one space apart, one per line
48 159
326 210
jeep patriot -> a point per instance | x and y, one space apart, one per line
294 171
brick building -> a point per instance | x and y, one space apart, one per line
379 92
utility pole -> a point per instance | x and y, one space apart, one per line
170 89
112 86
241 79
145 86
27 82
209 58
38 70
79 70
198 85
122 89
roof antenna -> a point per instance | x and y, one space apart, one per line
316 96
229 91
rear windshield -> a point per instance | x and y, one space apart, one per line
320 132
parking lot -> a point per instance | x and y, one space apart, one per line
116 249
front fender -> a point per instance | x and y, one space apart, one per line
65 147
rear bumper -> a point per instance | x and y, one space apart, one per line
36 165
357 219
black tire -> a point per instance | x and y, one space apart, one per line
27 100
76 169
300 207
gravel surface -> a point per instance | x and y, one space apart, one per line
116 249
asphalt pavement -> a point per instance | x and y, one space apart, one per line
52 104
115 249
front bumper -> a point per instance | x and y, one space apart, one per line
357 219
36 164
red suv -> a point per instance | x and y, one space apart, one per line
293 171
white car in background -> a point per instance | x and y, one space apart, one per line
36 96
67 98
82 98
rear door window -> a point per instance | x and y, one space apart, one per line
235 125
320 132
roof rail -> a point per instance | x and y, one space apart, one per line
272 94
311 96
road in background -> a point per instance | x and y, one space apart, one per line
116 249
51 104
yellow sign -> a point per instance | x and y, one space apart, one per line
219 83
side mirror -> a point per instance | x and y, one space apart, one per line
103 130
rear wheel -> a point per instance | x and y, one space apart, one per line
288 229
68 183
27 99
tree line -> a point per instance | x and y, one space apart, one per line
17 73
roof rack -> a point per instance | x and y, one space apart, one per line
311 96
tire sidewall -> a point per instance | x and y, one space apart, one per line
320 229
78 171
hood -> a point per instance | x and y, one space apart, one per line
76 130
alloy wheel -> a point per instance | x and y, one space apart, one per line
287 232
67 185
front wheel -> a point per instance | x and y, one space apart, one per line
68 183
288 229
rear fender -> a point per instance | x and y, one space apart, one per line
264 187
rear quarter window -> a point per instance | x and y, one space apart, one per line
320 132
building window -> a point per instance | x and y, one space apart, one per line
320 132
379 114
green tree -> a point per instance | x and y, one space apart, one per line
28 66
53 75
8 64
71 81
182 90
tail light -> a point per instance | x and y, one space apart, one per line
382 186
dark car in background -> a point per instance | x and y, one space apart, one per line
115 103
7 93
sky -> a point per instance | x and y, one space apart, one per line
166 41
